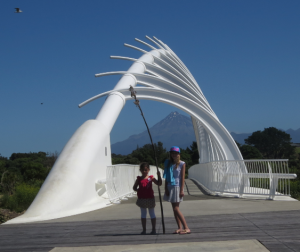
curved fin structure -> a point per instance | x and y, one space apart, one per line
76 183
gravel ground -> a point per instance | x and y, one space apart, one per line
6 215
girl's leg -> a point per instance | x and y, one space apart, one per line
179 216
176 218
143 219
153 220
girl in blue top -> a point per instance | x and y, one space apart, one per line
174 175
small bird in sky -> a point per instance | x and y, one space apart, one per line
18 10
41 103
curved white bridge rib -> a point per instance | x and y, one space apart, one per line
168 64
168 72
177 59
172 75
216 130
138 88
170 69
144 43
152 79
153 41
155 81
135 48
171 62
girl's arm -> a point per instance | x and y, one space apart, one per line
159 181
166 188
181 194
135 186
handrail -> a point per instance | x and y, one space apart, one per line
244 177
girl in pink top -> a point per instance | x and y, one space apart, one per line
143 187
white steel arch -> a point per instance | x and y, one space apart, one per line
72 186
167 73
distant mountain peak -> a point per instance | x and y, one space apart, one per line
174 129
173 114
174 118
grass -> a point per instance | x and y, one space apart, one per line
21 199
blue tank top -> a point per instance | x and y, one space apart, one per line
177 173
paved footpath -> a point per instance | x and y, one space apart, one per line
217 224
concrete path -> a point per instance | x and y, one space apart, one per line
239 223
196 203
223 246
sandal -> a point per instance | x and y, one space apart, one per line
177 231
143 232
184 231
153 232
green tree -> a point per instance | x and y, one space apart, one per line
117 159
162 154
186 157
9 180
34 171
194 153
143 154
146 154
272 143
250 152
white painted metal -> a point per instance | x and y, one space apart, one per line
121 178
217 132
72 185
167 73
261 177
76 183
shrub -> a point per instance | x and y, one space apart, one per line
295 189
2 218
21 199
9 180
34 171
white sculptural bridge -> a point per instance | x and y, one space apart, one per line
83 178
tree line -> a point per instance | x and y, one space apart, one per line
145 154
21 176
271 143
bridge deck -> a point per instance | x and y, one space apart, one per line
275 224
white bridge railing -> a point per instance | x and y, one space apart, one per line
253 177
121 178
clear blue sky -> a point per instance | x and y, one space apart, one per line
245 55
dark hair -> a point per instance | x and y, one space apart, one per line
143 165
173 161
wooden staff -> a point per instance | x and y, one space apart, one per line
137 103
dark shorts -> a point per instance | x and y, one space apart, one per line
146 203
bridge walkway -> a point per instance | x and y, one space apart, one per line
217 224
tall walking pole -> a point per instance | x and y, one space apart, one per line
137 103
